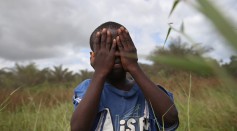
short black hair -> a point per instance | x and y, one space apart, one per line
108 25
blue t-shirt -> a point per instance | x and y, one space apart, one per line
122 110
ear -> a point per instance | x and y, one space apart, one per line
92 54
92 59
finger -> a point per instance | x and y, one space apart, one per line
108 40
125 36
122 39
96 43
120 46
113 47
103 38
128 38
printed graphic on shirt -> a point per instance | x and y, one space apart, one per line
132 120
134 124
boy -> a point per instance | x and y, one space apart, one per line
111 102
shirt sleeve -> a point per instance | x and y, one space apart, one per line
167 92
176 124
79 92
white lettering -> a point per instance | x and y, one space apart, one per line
130 125
141 119
143 124
122 126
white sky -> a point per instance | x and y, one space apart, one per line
54 32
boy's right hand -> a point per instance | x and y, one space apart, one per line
104 49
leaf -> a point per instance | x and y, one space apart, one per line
182 27
168 33
222 24
173 7
189 63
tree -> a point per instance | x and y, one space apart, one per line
232 66
181 56
6 78
85 74
25 75
58 74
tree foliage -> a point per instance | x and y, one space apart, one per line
232 66
30 75
179 48
186 57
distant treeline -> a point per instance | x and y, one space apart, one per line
30 75
189 58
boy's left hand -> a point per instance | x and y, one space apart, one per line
127 50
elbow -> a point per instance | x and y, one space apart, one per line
74 129
76 126
172 118
73 126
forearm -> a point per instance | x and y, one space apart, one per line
84 115
159 100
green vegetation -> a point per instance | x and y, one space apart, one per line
49 107
204 91
46 104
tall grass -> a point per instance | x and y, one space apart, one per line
212 106
203 103
218 104
189 96
46 108
42 119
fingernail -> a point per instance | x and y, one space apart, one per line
97 33
108 32
119 31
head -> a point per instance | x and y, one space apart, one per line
112 27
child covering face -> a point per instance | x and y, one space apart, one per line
112 102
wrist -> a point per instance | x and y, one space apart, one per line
100 74
133 68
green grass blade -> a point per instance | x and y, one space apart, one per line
188 63
182 27
221 23
163 122
168 33
3 104
37 115
174 6
189 96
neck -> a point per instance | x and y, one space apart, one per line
121 83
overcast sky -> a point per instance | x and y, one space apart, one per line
54 32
